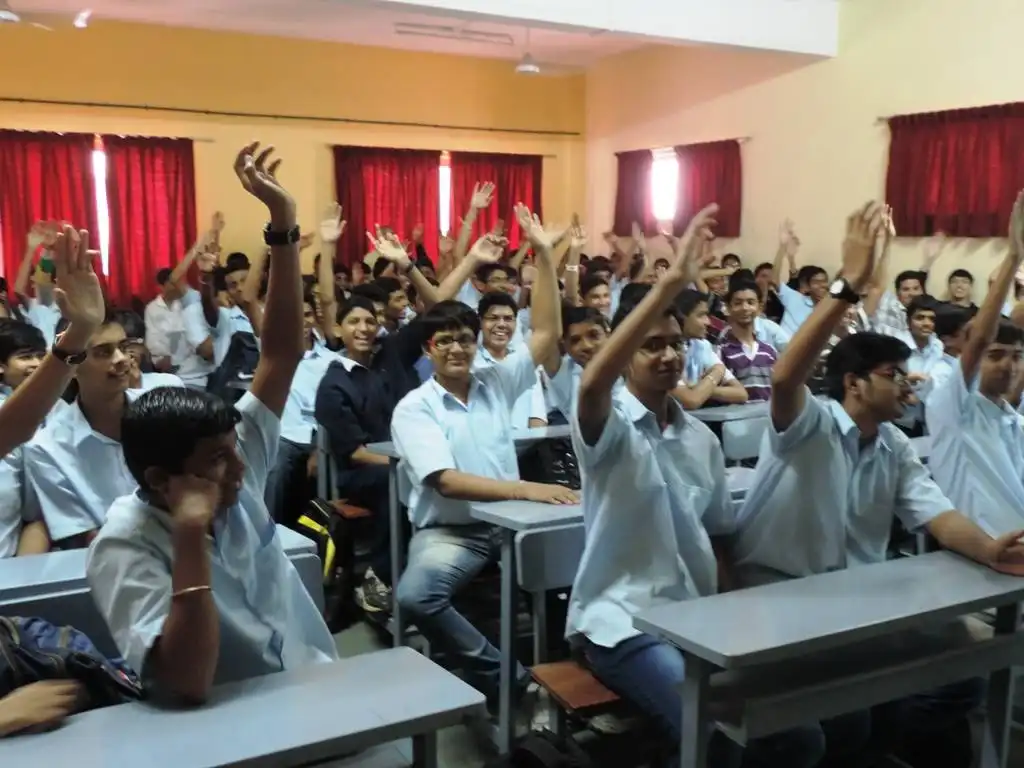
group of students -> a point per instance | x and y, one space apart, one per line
176 490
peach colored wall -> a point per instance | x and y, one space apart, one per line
196 69
816 148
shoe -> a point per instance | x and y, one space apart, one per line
374 596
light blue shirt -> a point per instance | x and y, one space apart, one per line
821 502
154 380
615 286
769 332
529 405
76 473
434 431
562 388
941 372
701 357
44 317
195 371
268 621
977 454
926 361
650 499
798 308
239 321
298 419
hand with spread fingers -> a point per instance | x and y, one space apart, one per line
862 229
690 246
389 247
78 293
332 226
489 249
258 176
531 226
483 195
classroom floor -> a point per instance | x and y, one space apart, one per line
459 748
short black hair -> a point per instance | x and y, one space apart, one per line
236 262
449 315
354 302
661 260
388 284
960 273
909 274
496 299
1008 333
134 326
590 282
574 315
631 297
17 337
808 273
763 266
859 354
950 319
371 291
922 303
599 264
742 275
163 275
380 267
739 286
688 300
181 417
483 274
732 257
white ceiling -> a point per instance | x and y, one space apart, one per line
349 21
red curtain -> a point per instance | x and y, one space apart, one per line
399 188
152 199
956 172
633 193
710 173
43 176
517 179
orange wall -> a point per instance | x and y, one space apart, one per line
816 147
196 69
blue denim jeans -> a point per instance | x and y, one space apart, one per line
443 560
647 673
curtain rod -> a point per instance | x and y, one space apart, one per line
300 118
737 139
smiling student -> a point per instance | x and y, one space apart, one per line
747 356
584 332
926 358
705 378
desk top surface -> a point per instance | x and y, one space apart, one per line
283 719
800 616
732 412
526 515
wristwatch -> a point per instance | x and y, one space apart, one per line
271 237
66 357
843 291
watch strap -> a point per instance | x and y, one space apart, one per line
289 237
846 293
65 356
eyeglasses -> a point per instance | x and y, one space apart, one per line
896 376
464 340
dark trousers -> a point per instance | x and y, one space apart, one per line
288 492
367 487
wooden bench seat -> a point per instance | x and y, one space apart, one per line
573 687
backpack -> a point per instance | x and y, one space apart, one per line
553 462
239 363
543 749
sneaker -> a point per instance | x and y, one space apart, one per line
374 596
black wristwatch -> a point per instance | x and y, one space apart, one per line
843 291
271 237
68 358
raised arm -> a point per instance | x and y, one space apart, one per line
332 227
880 276
795 366
986 322
545 303
789 244
393 250
577 239
483 195
282 346
601 373
81 301
36 237
933 247
205 240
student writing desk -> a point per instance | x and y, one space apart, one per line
522 438
820 646
722 413
294 718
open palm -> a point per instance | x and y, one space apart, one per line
260 179
78 292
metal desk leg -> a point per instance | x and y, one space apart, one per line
508 613
540 627
424 750
395 515
693 748
996 741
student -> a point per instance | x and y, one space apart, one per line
977 453
811 282
596 293
843 447
584 331
891 315
960 286
189 571
654 487
705 377
376 295
951 324
40 309
397 305
773 309
454 435
141 374
236 276
747 357
926 355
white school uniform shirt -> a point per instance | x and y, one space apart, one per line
529 405
239 321
298 419
820 502
798 308
268 621
977 454
927 361
155 380
561 390
44 317
195 371
165 327
650 499
75 472
771 333
701 357
433 431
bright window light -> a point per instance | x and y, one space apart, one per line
445 212
664 184
99 175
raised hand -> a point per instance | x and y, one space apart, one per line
445 246
193 500
862 229
639 239
78 293
1017 226
488 249
531 226
260 180
483 195
36 235
689 247
577 233
389 247
217 223
207 262
332 226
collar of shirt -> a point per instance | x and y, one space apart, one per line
645 419
443 395
850 432
81 430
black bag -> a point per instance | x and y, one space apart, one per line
543 749
553 462
239 363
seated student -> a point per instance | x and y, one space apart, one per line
235 275
141 374
648 468
747 357
376 295
454 435
497 313
596 293
926 356
601 267
397 306
785 531
189 571
951 326
977 454
890 317
584 331
705 378
773 309
960 287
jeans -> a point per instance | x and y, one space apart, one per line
441 562
367 486
647 673
287 490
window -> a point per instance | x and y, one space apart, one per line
664 184
99 177
445 201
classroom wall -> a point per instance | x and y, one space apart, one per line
203 70
816 147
